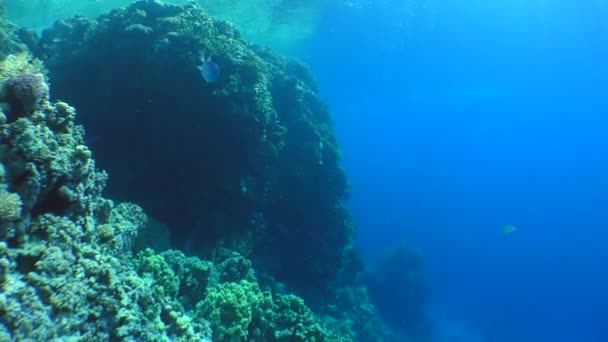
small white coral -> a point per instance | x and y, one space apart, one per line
10 206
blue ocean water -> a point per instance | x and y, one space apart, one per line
457 117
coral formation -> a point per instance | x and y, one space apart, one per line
244 172
249 162
65 269
24 93
228 295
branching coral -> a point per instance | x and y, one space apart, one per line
10 206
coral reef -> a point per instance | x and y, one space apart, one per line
24 93
249 162
244 172
227 294
64 254
66 270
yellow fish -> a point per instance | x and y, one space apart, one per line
508 229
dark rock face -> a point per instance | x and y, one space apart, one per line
249 162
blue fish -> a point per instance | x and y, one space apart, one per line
209 69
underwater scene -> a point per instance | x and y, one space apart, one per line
289 170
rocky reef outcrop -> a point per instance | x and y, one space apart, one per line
67 270
249 162
243 172
64 249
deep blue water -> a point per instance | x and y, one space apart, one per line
456 117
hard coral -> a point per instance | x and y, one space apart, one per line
10 206
24 93
10 212
65 268
256 141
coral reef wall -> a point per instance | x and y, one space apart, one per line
64 250
249 162
242 173
67 272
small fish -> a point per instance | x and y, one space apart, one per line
209 69
508 229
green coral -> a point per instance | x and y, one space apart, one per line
228 295
235 310
10 206
242 311
166 282
100 291
193 273
293 321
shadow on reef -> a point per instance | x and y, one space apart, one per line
249 162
